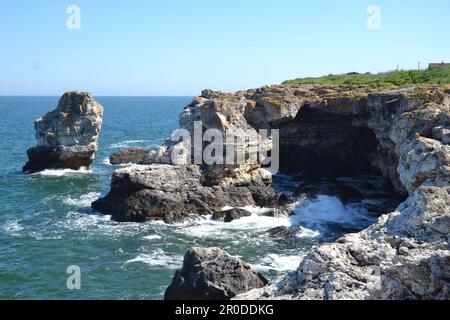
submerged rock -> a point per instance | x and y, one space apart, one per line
282 232
212 274
344 191
230 215
132 155
67 137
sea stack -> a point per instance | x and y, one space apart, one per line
67 137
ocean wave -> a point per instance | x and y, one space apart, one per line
211 229
39 236
62 172
83 201
307 233
98 225
322 210
12 227
158 258
106 162
279 262
152 237
126 144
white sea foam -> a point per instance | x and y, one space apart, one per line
97 225
90 224
152 237
106 162
211 229
126 144
307 233
12 227
325 209
46 235
84 201
62 172
279 262
158 258
255 210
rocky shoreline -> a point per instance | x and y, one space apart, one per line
325 131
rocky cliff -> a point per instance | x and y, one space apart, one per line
406 254
325 131
67 137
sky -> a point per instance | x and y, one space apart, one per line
180 47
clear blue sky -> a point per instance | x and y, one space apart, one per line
179 47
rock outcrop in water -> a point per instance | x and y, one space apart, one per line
325 131
132 155
172 194
212 274
230 214
67 137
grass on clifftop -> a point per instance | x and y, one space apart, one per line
439 76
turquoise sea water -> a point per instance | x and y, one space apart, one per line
46 223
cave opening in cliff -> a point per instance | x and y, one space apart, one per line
321 144
336 154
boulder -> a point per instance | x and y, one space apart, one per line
67 137
153 192
132 155
212 274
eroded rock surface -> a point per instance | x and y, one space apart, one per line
212 274
132 155
67 137
406 254
171 193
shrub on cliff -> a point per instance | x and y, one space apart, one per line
439 76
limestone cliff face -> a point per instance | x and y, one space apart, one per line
324 130
67 137
406 254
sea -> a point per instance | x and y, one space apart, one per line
47 226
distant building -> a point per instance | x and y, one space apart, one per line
438 65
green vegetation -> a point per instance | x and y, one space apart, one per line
439 76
